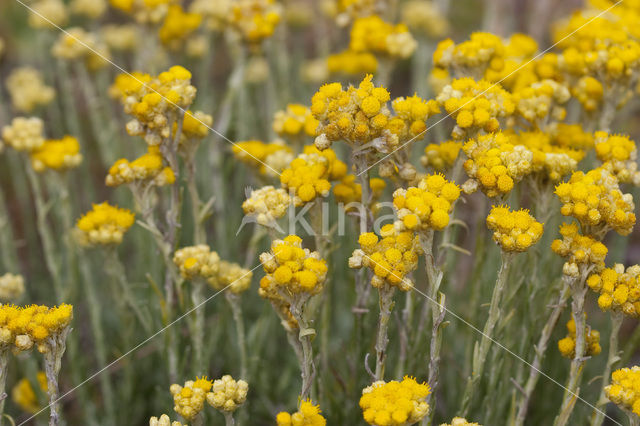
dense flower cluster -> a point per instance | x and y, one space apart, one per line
28 90
349 191
567 345
144 11
148 169
549 160
513 231
189 399
459 421
233 276
411 115
268 158
121 38
57 154
307 415
164 420
373 34
475 105
155 102
254 20
310 174
228 394
441 156
423 17
291 270
623 390
582 252
472 57
595 199
266 205
24 326
91 9
25 397
426 206
103 225
619 289
11 287
356 115
494 164
541 101
295 120
48 14
395 403
391 257
352 63
24 134
77 44
178 25
619 156
197 263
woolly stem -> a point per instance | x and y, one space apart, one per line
197 333
305 335
55 347
382 340
4 363
236 311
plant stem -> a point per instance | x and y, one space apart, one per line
236 311
540 349
228 419
616 322
305 335
197 333
386 306
4 364
199 235
52 363
481 351
572 390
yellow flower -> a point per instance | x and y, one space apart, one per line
164 420
103 225
295 120
619 289
373 34
197 263
567 345
257 154
624 389
266 205
619 156
352 63
24 134
459 421
11 287
513 231
178 25
228 394
307 415
27 89
189 399
441 156
24 326
581 252
59 155
395 403
148 169
25 397
254 20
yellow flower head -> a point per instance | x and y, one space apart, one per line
254 20
549 160
25 397
77 44
228 394
259 154
395 403
582 252
541 101
624 389
373 34
178 25
513 231
27 89
411 116
619 156
197 263
391 257
349 191
144 11
619 289
426 206
307 415
234 276
266 205
567 345
57 154
459 421
11 287
296 120
24 134
189 399
24 326
103 225
472 57
441 156
352 63
148 169
164 420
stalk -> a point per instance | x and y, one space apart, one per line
382 340
4 364
228 419
199 235
55 347
7 247
236 311
481 351
612 358
197 334
305 335
572 390
540 349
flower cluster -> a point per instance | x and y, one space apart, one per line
47 14
460 421
349 191
24 134
266 205
373 34
441 156
619 156
475 105
197 263
356 115
164 420
494 164
595 199
122 38
258 154
424 17
22 326
307 415
11 287
147 169
623 390
28 90
154 103
291 270
542 100
91 9
391 258
570 136
619 289
189 399
57 154
395 403
177 26
310 174
426 206
472 57
228 394
76 44
144 11
411 115
25 397
549 160
254 20
103 225
582 252
352 63
567 345
233 276
294 121
513 231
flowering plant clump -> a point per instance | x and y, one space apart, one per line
623 390
567 345
267 204
197 262
619 156
581 251
227 394
619 289
189 399
513 231
58 155
103 225
21 327
148 169
395 403
307 415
